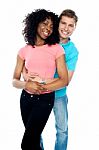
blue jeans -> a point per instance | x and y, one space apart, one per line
61 123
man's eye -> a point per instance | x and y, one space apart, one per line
63 22
71 25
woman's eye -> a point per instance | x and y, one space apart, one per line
44 23
51 27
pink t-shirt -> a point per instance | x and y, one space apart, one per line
40 60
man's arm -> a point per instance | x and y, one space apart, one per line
70 75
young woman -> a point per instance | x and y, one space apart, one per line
41 56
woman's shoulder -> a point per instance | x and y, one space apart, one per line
58 50
25 47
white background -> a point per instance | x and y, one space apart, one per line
83 92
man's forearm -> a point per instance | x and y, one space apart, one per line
18 84
55 85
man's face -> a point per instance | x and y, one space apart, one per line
66 27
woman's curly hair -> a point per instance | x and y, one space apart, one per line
31 22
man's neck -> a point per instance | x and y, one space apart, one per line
64 40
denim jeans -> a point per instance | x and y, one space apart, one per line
35 110
61 123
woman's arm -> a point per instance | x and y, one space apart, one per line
28 85
62 71
17 74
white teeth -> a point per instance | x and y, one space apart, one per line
45 33
65 33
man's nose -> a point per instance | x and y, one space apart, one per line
66 27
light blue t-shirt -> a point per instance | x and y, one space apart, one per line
71 58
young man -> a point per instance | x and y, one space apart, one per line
67 24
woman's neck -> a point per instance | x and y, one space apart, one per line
39 42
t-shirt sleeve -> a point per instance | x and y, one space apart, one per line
22 52
72 61
59 51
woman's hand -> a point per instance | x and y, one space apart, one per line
34 87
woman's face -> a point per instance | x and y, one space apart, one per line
44 29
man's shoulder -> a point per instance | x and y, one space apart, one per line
69 47
73 47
